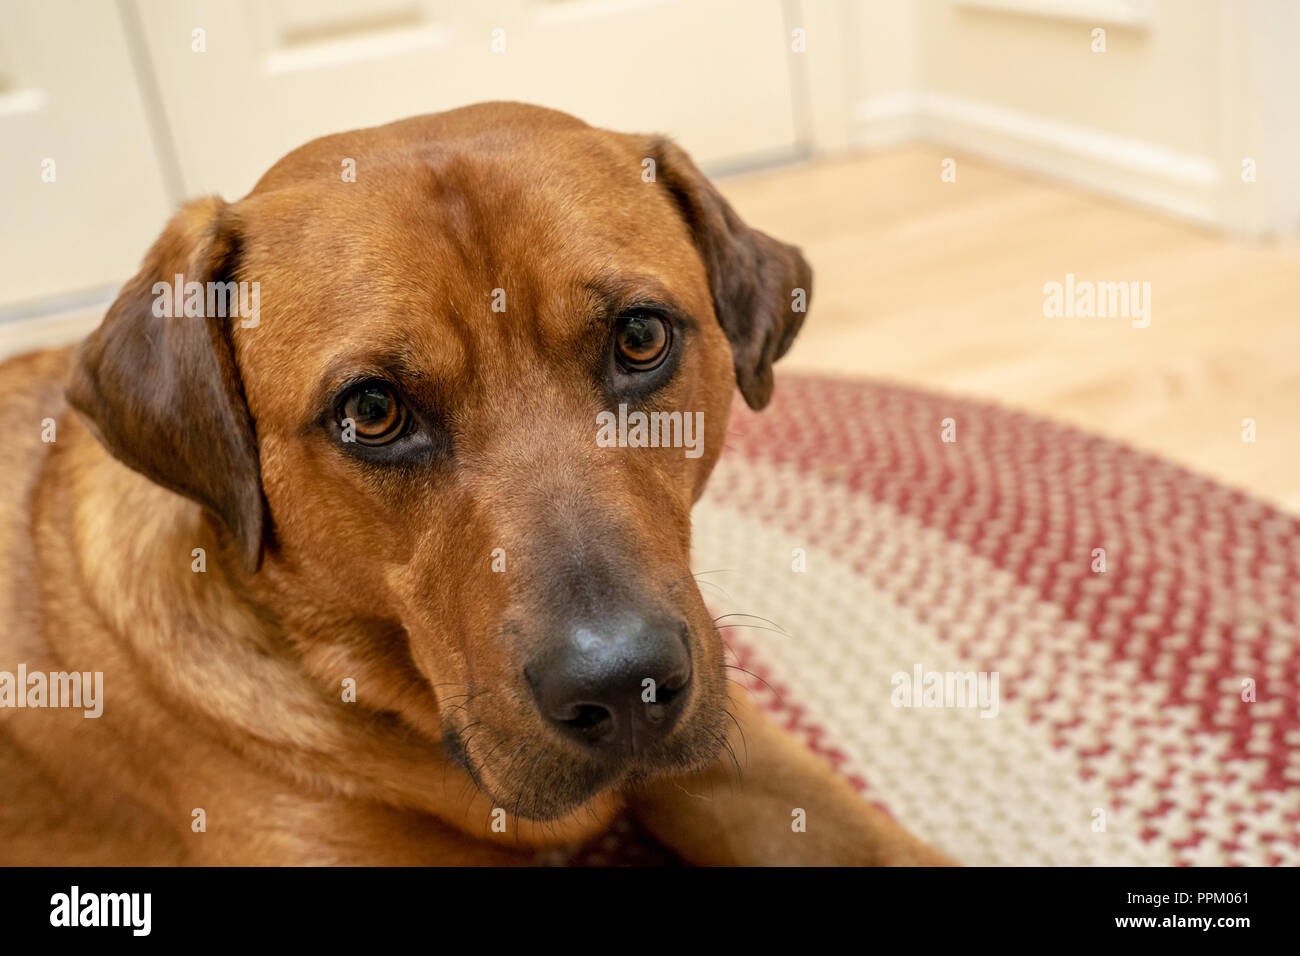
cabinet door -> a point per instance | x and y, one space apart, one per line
245 81
80 187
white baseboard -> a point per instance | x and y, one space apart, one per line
47 331
888 120
1178 184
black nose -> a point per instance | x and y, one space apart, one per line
618 683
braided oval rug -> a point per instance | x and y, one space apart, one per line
1146 713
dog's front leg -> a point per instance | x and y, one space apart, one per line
786 807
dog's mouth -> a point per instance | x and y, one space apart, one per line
541 779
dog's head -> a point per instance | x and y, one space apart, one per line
456 445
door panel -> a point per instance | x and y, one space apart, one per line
80 187
716 74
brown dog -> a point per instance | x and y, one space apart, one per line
361 581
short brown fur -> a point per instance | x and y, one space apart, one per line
223 688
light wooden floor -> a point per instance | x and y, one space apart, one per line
940 285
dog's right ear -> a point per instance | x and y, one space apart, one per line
161 390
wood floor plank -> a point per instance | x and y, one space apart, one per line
940 285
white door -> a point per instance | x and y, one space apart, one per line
81 194
245 81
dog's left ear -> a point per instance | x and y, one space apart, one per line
161 391
761 287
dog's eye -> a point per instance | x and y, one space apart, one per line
642 341
376 414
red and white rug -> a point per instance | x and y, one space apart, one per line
1121 735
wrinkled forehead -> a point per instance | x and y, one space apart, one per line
445 261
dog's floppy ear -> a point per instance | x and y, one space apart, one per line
163 394
761 287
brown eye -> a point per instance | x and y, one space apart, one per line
642 341
377 416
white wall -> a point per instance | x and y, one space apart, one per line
1184 91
